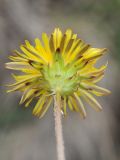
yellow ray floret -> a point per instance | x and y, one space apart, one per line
59 64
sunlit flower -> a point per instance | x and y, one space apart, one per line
61 64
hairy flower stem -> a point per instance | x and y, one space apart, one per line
58 128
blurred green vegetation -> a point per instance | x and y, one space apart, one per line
15 115
101 15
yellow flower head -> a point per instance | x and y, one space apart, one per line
61 64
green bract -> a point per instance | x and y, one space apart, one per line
61 77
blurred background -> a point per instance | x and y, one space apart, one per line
24 137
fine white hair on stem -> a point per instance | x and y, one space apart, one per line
58 128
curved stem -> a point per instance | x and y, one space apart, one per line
58 127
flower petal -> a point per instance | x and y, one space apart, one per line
17 65
38 107
91 100
82 108
45 107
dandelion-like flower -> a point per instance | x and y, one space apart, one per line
62 65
